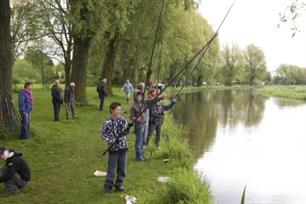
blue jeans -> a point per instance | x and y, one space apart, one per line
116 159
25 125
141 140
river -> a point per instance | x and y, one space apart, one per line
239 138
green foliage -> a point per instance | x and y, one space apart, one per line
243 196
23 71
184 188
290 75
232 64
41 63
255 64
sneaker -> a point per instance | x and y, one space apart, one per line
119 188
107 189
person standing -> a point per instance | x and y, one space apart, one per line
157 117
102 92
114 132
16 173
25 104
57 99
127 89
69 101
140 114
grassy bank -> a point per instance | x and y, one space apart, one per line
291 92
64 155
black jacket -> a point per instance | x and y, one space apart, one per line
16 164
56 93
101 90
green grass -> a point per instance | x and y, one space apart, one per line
64 155
290 92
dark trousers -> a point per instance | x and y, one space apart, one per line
116 164
70 110
14 183
25 125
157 128
102 102
57 110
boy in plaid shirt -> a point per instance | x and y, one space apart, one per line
114 130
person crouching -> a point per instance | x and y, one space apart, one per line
16 173
114 130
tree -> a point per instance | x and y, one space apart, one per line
231 64
42 64
255 64
7 115
54 22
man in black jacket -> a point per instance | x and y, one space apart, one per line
16 173
57 99
101 90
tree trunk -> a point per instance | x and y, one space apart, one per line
127 60
108 64
7 115
67 66
79 68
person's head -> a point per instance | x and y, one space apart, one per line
115 109
152 93
141 86
56 82
127 81
72 84
4 153
103 81
28 86
139 96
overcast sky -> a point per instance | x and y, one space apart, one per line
255 21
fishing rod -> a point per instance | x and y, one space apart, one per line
157 98
207 47
154 45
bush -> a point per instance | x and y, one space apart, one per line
174 146
185 188
24 71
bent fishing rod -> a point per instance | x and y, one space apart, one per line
157 98
149 72
206 49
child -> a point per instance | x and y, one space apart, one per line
141 124
157 116
16 173
114 130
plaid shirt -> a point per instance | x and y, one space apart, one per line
114 132
157 112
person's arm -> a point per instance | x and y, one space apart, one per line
21 104
106 133
169 106
10 171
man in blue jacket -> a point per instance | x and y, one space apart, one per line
25 104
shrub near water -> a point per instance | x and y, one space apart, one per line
185 186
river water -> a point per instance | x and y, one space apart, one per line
239 137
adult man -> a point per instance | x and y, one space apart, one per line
57 99
16 173
69 101
25 104
101 90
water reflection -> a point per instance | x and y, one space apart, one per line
201 113
243 138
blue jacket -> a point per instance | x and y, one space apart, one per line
24 102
